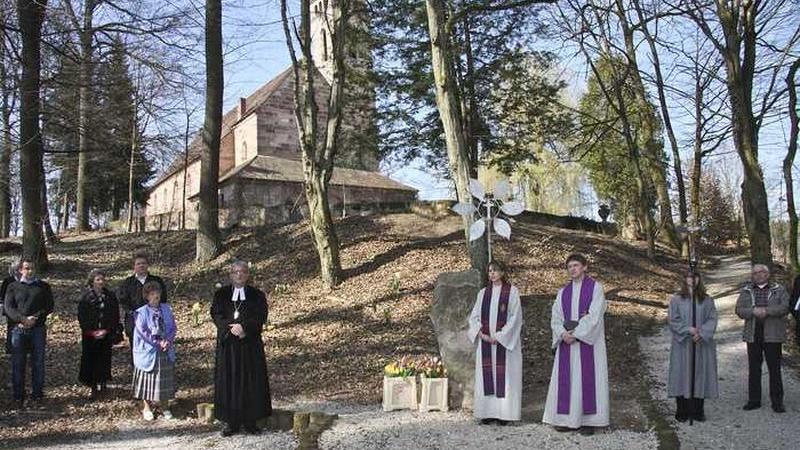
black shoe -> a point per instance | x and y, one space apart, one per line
19 404
502 423
487 421
228 430
779 408
751 406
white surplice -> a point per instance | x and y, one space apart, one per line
492 407
590 330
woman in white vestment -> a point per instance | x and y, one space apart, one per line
494 329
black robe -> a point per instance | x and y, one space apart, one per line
97 313
241 385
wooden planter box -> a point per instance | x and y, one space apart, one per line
434 394
399 393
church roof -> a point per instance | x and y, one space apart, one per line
229 119
272 168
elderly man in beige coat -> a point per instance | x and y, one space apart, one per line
763 306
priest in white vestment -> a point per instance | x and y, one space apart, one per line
494 329
578 395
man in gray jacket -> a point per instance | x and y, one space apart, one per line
764 306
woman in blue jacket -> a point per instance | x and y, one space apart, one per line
154 353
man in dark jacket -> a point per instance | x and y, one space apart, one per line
129 292
763 306
28 302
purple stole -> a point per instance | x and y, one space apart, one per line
587 353
486 348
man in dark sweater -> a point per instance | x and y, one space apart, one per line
28 302
129 292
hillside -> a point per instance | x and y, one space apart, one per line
333 345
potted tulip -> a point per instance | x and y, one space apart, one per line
433 383
399 385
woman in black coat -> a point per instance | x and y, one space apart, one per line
98 314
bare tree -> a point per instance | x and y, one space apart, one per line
788 162
588 26
7 103
208 236
737 30
31 14
319 147
660 84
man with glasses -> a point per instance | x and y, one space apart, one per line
763 306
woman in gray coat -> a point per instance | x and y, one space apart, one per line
683 336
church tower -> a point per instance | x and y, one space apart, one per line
359 140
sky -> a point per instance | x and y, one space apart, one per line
258 52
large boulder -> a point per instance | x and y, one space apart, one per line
454 297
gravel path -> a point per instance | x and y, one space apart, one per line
136 435
374 429
727 425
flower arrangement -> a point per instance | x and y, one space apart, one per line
402 368
432 367
425 367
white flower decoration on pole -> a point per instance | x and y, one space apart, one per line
490 205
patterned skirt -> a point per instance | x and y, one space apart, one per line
157 385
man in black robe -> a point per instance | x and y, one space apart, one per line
241 385
129 293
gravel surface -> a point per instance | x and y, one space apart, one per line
374 429
727 425
135 435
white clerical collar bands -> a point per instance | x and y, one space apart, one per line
238 294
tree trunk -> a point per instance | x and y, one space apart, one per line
50 235
131 166
656 166
7 145
739 53
65 211
325 238
673 141
208 237
6 148
318 154
86 36
450 114
788 162
30 14
185 171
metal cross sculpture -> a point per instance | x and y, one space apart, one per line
491 207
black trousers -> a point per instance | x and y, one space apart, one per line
757 352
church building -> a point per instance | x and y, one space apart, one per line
261 173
